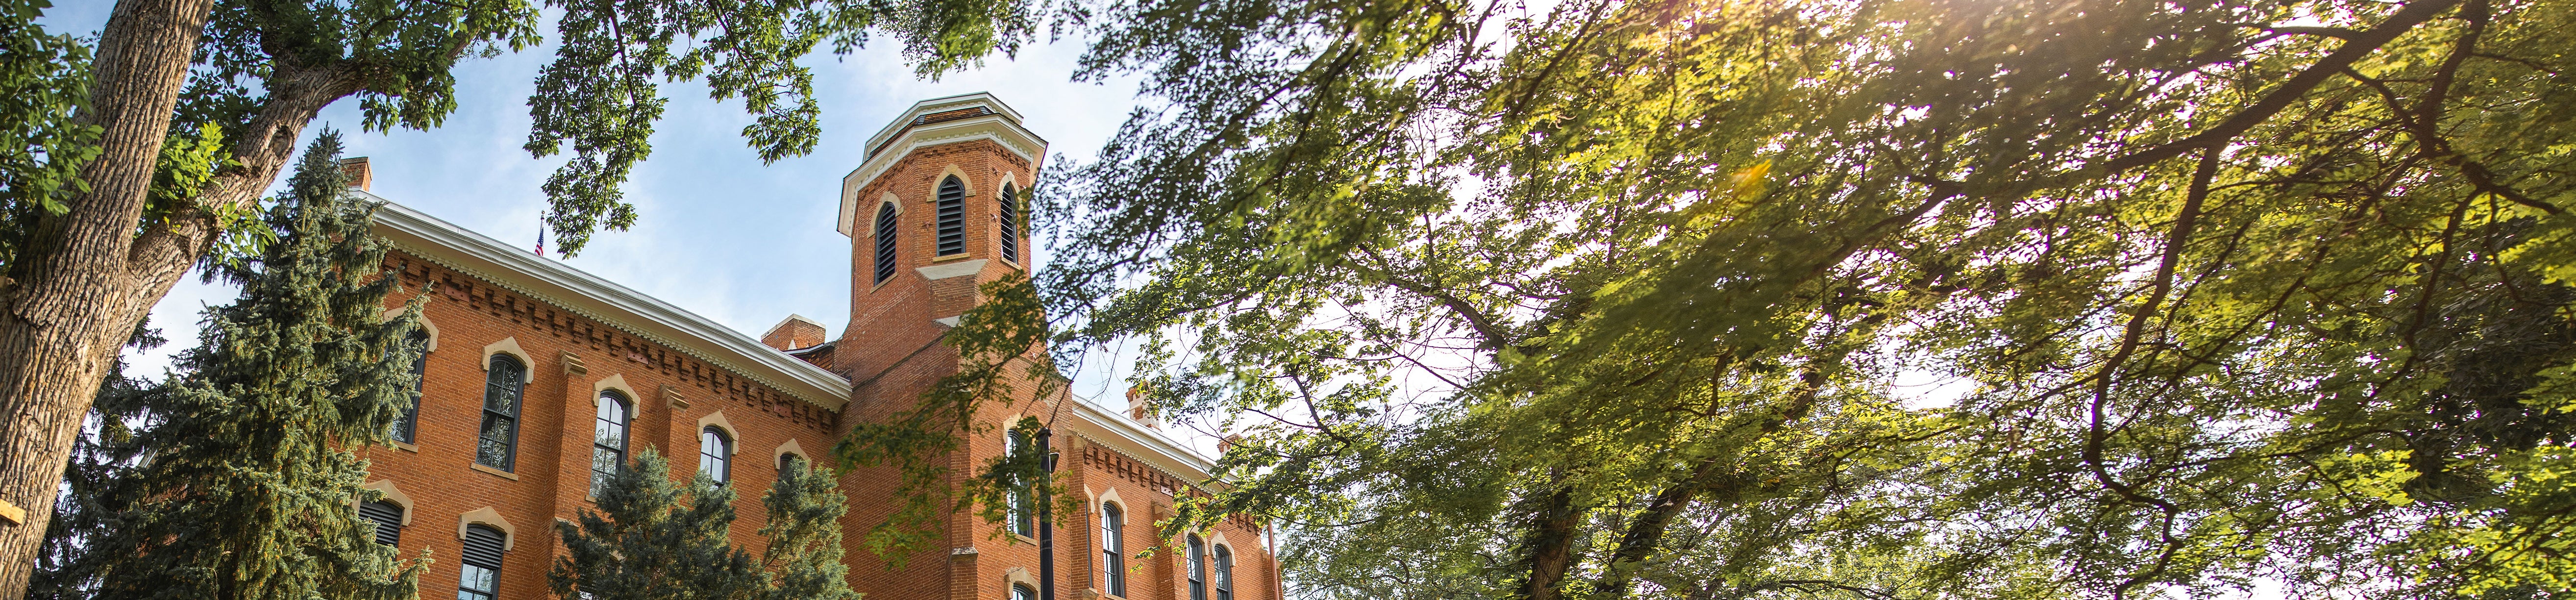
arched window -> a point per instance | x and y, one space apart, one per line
407 424
1010 218
715 454
608 439
1113 556
481 575
885 241
498 446
1022 592
388 519
1023 511
788 463
1198 568
1224 573
952 216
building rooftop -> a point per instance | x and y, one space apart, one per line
571 289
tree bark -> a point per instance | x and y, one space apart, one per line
1551 545
1646 530
1712 479
75 297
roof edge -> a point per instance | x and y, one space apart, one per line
1150 439
938 104
786 373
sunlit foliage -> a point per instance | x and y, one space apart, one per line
1603 299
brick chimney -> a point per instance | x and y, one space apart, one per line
796 332
1141 411
355 168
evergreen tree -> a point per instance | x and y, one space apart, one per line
803 560
240 484
654 540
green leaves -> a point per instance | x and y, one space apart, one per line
44 80
1616 299
601 95
997 342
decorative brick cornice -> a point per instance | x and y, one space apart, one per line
748 358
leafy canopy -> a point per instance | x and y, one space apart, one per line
1612 298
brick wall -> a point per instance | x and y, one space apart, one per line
891 352
568 358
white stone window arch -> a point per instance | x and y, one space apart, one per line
718 441
488 518
510 346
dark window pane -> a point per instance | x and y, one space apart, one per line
388 521
1224 573
1198 568
1113 560
479 577
498 441
407 424
1009 210
1023 511
715 455
608 440
952 216
885 242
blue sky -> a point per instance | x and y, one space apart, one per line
719 233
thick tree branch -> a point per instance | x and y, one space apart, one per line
2096 435
2353 49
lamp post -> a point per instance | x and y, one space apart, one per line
1046 521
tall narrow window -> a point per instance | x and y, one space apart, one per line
1010 217
1024 518
407 425
885 242
789 463
608 440
1224 573
1198 568
480 578
952 216
1113 559
498 446
388 520
1022 592
715 454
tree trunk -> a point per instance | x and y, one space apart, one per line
1551 544
76 296
1646 530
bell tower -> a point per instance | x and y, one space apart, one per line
938 207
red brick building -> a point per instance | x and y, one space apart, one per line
539 374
